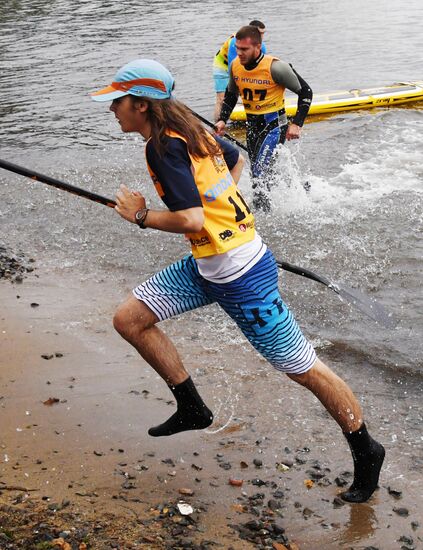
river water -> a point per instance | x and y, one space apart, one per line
361 222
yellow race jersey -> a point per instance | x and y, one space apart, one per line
228 221
260 94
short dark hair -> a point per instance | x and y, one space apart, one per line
257 23
249 31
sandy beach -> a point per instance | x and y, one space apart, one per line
77 465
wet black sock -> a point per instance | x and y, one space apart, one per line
368 457
191 414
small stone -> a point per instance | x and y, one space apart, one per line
258 463
403 512
236 482
254 525
338 502
278 529
274 504
258 482
393 492
314 475
340 481
186 491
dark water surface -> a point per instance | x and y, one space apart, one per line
360 224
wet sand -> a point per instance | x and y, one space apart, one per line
86 459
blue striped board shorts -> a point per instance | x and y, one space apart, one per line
252 301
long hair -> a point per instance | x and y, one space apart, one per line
171 114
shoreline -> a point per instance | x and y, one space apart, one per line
91 448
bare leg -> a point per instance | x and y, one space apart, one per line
341 403
136 323
334 394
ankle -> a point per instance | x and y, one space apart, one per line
187 396
360 440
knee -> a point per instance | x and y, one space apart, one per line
132 317
307 378
318 376
302 379
120 320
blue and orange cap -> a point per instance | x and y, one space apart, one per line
141 78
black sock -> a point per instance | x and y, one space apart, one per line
368 457
191 413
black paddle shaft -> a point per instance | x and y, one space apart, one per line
307 273
57 183
228 136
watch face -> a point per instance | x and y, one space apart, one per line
139 215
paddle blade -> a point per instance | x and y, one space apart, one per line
365 304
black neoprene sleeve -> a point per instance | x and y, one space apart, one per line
229 102
305 95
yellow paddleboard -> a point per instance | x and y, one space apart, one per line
348 100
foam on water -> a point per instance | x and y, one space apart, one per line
384 155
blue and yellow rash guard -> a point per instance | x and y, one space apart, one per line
183 181
227 53
221 58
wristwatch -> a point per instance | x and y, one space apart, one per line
140 217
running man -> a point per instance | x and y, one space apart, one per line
196 176
222 62
261 81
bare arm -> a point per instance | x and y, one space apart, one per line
237 169
129 202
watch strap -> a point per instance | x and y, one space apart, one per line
140 217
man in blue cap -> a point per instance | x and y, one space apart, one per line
196 176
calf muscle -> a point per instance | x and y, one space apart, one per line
335 395
135 322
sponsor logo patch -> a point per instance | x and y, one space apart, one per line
213 192
200 242
227 234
